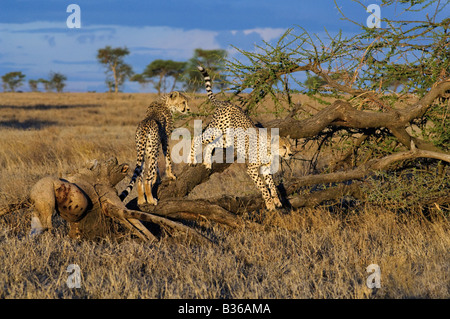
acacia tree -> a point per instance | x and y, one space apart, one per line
161 69
12 80
113 60
33 84
46 83
366 122
57 81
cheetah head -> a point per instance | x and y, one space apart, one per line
285 148
177 102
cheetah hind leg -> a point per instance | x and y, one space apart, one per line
141 191
144 190
151 178
253 172
166 152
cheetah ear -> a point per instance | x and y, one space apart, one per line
174 94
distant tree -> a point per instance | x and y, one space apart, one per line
33 84
12 80
213 61
113 60
161 69
57 81
124 72
47 84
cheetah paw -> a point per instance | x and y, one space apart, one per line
207 165
172 177
277 202
270 206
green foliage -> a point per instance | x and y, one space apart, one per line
161 69
437 126
12 80
57 81
407 55
272 69
213 61
399 191
33 85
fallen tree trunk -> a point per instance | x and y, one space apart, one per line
194 210
223 209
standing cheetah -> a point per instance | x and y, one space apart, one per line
244 138
152 132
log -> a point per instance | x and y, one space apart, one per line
192 210
189 177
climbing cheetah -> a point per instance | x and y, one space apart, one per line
152 132
229 122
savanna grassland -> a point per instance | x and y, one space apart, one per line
319 252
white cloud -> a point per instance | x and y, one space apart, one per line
267 34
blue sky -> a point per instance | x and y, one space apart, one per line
35 39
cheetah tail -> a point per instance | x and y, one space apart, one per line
208 84
136 174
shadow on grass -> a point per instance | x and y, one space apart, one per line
27 124
44 107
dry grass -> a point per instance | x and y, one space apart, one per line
309 253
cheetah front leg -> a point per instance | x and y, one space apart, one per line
209 139
74 230
214 143
212 138
268 178
253 172
273 190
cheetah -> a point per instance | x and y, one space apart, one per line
230 123
152 132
